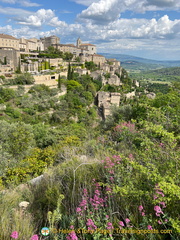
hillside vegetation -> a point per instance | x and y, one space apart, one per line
112 179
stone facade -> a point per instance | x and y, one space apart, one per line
106 100
12 57
49 41
8 42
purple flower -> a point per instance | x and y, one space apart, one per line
163 204
72 236
121 223
14 234
35 237
78 210
110 226
158 210
140 208
149 227
127 220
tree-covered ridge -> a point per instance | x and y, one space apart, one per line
100 178
175 71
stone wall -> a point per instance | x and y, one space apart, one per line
106 100
12 57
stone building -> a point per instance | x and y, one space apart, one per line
106 100
50 41
8 42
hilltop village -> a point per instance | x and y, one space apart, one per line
35 56
84 147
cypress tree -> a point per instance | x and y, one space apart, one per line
72 74
5 60
59 81
69 72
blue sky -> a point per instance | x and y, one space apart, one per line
144 28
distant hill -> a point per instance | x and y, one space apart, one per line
173 71
133 63
162 75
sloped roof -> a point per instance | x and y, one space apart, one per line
2 35
87 44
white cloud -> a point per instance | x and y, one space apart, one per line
14 11
42 16
85 2
105 11
24 3
56 23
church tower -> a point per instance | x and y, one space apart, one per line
79 42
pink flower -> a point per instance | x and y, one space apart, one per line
110 226
71 227
121 223
149 227
14 234
35 237
163 204
143 214
127 220
158 210
160 193
108 189
155 197
78 210
111 178
166 220
140 208
107 216
131 156
72 236
159 222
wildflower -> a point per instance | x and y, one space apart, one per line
111 178
160 193
140 208
163 204
158 210
110 226
107 216
91 224
149 227
166 220
71 227
83 204
14 234
72 236
159 222
35 237
155 197
78 210
108 189
121 223
97 192
143 214
85 191
131 156
127 220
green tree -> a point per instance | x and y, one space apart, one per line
69 72
5 60
59 81
24 78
